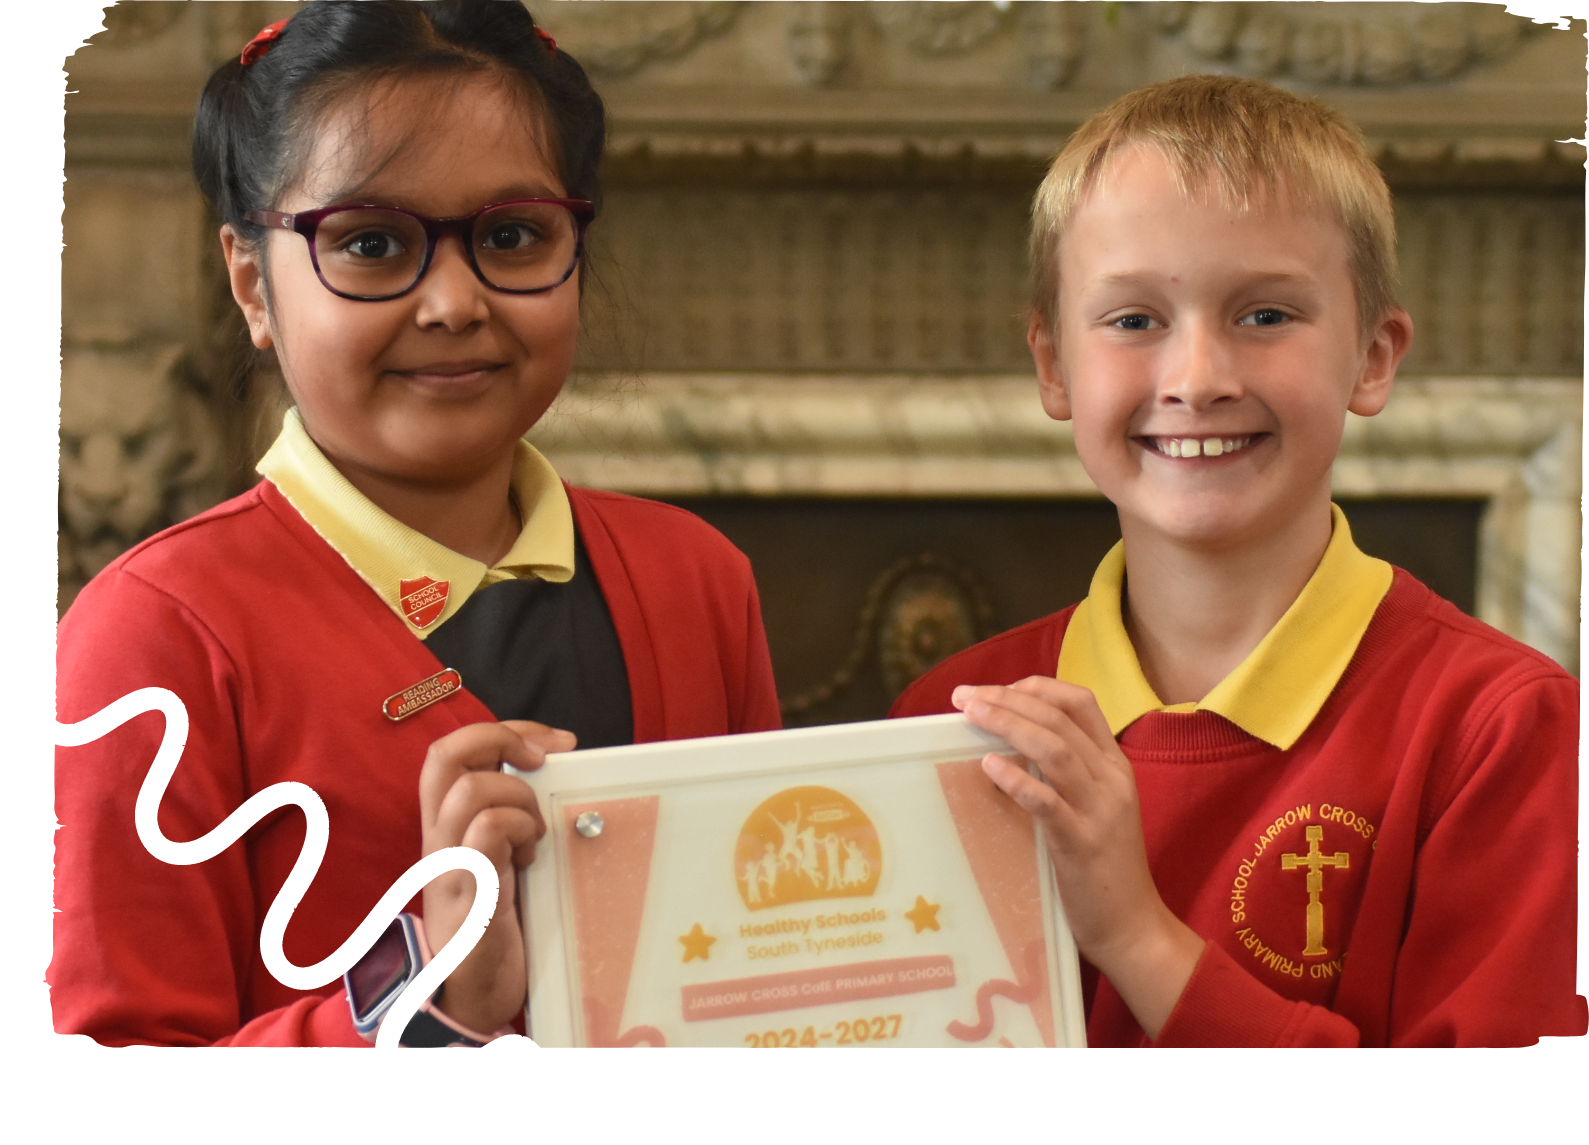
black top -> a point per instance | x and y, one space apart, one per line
532 650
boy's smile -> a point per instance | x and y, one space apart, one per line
1208 355
1210 447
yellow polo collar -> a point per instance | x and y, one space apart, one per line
1275 693
397 561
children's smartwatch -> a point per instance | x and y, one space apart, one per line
375 981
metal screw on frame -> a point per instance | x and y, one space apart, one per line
589 824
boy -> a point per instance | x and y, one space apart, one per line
1293 798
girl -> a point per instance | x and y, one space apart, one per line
404 190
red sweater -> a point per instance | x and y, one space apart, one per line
1446 743
283 656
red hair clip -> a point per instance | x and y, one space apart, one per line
551 44
263 42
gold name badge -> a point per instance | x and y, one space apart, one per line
401 705
823 887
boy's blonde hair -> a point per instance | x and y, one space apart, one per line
1244 139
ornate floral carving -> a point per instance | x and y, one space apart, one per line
941 29
819 40
931 613
1377 45
917 612
1054 35
619 37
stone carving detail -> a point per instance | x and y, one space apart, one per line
128 24
830 280
1494 283
619 37
1378 44
861 280
949 28
1055 36
917 612
139 451
819 40
931 613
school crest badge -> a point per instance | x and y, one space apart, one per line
422 600
1294 896
806 843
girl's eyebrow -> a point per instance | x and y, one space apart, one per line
527 191
358 193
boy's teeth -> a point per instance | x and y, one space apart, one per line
1200 446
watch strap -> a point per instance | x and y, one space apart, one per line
430 1027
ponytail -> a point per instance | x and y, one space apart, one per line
248 131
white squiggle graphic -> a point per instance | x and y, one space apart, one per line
317 830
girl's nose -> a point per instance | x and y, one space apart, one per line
450 295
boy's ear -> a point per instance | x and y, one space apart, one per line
248 285
1387 346
1050 381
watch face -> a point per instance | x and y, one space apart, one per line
386 967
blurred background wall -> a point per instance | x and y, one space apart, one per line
807 327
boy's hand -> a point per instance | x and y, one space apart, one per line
1087 806
464 800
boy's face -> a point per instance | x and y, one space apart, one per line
1208 355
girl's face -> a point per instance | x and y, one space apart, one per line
435 387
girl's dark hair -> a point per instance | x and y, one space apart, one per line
247 134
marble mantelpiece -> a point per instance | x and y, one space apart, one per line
1514 443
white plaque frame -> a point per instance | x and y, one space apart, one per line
604 773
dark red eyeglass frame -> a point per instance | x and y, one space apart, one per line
306 223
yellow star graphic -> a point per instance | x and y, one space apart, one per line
924 914
697 943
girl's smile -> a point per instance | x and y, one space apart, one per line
451 378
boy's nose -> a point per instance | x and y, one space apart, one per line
1199 369
450 295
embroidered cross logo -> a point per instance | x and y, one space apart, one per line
1315 861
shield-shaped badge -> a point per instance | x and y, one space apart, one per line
422 600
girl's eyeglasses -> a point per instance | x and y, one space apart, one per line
371 254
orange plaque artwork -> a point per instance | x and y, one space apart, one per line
806 843
859 885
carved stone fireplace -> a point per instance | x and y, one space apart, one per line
805 321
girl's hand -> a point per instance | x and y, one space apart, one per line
464 800
1086 803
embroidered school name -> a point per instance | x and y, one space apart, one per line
1301 813
789 929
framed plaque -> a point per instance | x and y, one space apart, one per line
856 885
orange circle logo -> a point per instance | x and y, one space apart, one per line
806 843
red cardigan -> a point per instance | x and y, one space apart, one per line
1441 778
283 656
